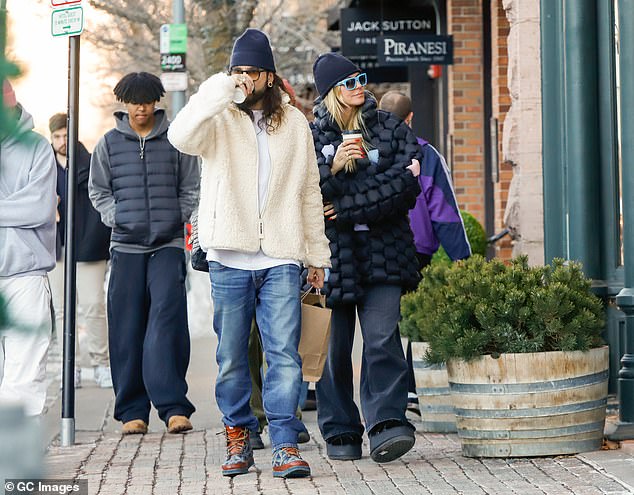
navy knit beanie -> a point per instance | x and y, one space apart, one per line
329 69
253 49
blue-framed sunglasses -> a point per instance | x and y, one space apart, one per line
351 83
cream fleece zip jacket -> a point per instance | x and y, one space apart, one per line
291 224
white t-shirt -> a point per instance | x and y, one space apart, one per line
259 260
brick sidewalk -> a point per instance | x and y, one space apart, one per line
163 464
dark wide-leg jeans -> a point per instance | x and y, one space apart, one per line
148 334
383 368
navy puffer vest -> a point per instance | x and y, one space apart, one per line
145 189
377 195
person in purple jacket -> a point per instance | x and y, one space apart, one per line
435 219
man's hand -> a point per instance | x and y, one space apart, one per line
244 82
315 277
414 168
329 211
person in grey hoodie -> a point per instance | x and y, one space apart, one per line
145 189
27 252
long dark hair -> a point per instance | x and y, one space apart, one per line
272 112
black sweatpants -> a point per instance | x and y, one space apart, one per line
148 334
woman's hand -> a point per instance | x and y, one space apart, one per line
348 150
329 211
244 82
315 277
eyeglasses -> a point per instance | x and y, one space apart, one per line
254 74
351 83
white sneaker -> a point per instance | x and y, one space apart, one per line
103 378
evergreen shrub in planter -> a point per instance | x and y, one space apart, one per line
474 307
498 327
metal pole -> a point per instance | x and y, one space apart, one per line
608 141
610 193
581 120
553 134
624 429
68 391
178 13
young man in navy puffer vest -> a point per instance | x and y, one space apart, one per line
145 190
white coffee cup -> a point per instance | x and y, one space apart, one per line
355 136
238 95
352 135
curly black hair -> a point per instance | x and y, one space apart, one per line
139 87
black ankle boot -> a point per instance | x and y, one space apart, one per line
344 447
391 439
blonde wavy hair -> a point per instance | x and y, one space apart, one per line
337 109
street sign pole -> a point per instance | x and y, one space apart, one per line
70 276
178 97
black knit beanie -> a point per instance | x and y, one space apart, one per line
253 49
329 69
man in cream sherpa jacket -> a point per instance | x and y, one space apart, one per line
260 216
291 224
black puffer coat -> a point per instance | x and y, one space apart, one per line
377 195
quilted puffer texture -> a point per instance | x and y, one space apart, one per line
377 195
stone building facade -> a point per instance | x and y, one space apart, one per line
500 109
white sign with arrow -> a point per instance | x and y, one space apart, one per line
67 21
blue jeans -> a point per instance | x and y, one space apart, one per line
273 295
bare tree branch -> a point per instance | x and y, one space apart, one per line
131 12
274 12
129 35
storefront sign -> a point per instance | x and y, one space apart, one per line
414 49
361 27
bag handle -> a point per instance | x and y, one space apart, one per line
317 291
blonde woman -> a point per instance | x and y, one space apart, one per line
368 183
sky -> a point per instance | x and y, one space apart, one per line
42 89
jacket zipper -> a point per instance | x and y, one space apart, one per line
257 194
147 191
257 189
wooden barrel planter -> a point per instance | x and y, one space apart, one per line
532 404
432 389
